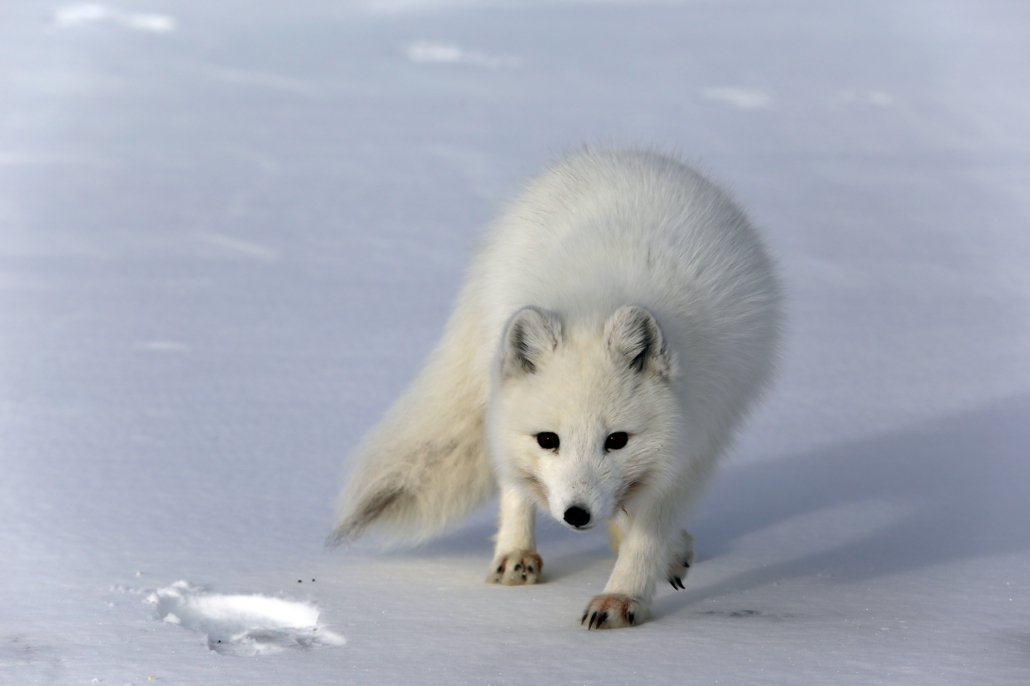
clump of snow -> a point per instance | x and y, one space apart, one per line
243 624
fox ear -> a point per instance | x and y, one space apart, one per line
531 336
633 335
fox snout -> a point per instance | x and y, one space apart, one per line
580 503
577 517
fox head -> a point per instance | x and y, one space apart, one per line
583 418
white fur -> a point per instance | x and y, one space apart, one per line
621 292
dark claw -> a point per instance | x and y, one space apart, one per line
592 618
673 583
584 616
678 583
500 569
630 616
601 619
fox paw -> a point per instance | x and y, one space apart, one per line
682 560
516 568
612 611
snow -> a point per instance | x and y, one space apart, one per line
229 233
242 624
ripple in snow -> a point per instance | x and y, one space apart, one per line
243 624
431 52
95 12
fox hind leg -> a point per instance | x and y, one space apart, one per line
615 536
617 528
682 559
681 550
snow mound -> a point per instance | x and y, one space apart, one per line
243 624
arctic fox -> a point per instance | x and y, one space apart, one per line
616 326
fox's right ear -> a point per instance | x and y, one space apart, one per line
531 336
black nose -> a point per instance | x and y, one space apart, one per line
577 516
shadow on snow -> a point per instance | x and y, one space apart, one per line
963 479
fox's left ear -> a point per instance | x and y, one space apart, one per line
633 335
531 337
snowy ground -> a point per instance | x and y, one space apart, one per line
230 231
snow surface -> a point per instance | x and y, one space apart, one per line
230 231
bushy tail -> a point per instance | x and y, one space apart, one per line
425 466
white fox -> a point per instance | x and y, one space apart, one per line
616 326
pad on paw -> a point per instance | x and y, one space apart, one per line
613 611
516 568
682 560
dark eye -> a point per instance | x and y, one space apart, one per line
547 440
616 441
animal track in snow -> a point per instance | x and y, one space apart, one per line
243 624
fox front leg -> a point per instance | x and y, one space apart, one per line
643 557
515 559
